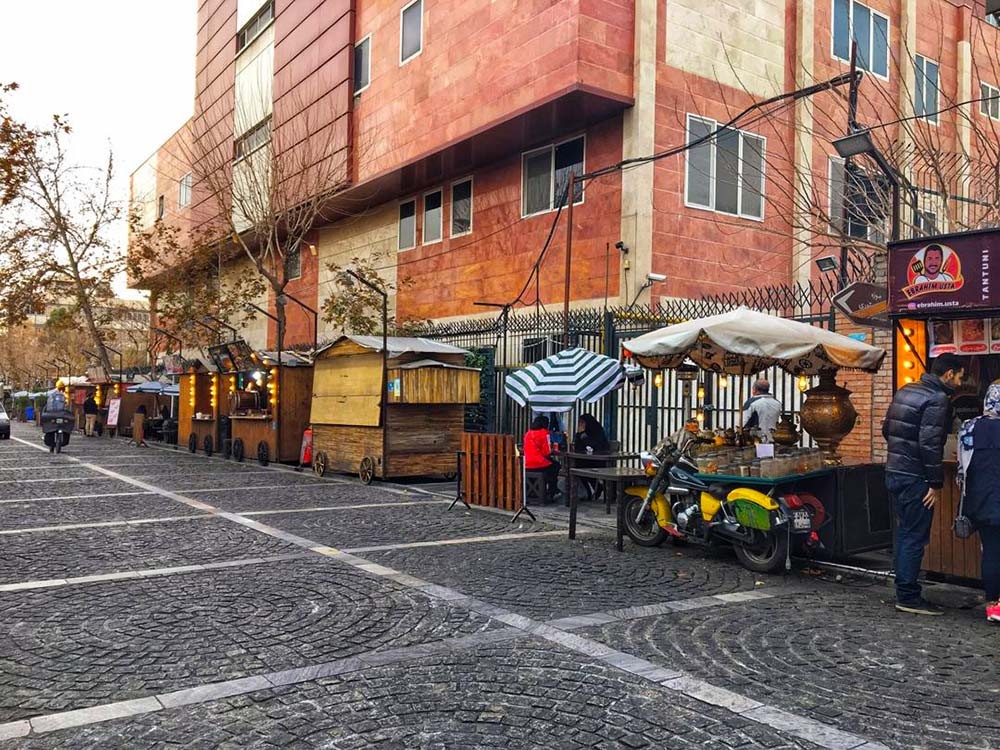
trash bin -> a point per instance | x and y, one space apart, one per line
29 413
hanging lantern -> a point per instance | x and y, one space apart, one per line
723 381
803 383
701 393
658 380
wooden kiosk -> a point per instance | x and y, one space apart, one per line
944 299
200 410
269 408
412 427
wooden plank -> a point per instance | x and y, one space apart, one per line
436 385
345 446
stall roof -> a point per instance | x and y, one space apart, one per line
433 363
399 345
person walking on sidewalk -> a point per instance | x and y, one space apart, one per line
979 477
915 429
90 411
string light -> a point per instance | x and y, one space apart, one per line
272 386
658 380
701 392
700 416
908 364
214 391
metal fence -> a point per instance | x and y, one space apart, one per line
635 415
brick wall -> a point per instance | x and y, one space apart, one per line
870 394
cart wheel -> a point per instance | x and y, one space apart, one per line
227 448
192 443
366 472
450 476
263 453
320 464
238 449
207 445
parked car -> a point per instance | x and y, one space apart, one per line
4 424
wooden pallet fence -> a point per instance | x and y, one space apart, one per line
491 470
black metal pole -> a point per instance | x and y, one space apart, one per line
314 313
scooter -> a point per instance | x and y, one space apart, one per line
57 422
762 528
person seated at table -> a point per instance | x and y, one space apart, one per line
590 434
538 456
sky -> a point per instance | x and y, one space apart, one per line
122 70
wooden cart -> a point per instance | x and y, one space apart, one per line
199 411
411 428
272 432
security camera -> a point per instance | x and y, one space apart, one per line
621 246
656 276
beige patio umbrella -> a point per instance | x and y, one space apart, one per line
744 342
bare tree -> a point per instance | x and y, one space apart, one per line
56 234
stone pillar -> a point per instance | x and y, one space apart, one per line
802 232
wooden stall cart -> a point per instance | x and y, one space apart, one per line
413 428
270 426
201 406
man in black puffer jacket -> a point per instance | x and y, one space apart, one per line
915 428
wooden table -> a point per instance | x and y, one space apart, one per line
573 457
615 476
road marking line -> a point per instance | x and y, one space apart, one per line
339 507
100 524
462 540
247 487
75 497
125 575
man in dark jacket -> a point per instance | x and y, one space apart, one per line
90 412
915 428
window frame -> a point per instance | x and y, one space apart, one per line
871 35
423 220
551 148
420 51
918 71
298 251
873 232
185 183
161 207
237 155
451 206
399 234
366 38
713 176
248 41
994 98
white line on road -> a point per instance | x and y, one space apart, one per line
338 507
463 540
76 497
100 524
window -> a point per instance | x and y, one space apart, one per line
411 31
184 191
992 20
854 21
858 202
725 173
990 101
925 89
255 26
159 208
253 139
362 64
545 176
432 217
925 222
461 207
407 225
293 263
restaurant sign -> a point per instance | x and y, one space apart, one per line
944 274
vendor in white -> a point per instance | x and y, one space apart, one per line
762 410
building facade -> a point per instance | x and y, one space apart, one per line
450 128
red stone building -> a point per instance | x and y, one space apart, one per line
452 125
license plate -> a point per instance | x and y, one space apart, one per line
60 421
801 520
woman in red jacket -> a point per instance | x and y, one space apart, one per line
538 456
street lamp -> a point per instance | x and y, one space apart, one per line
308 309
860 143
385 347
121 368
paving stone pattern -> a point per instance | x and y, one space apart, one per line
37 513
554 577
395 525
846 659
284 497
78 646
80 552
521 695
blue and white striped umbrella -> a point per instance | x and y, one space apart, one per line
556 383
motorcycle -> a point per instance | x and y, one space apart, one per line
762 528
57 422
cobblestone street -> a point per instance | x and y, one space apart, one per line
154 598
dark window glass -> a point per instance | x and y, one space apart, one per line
432 216
407 225
537 182
863 35
569 158
727 164
699 163
842 29
411 31
362 65
461 208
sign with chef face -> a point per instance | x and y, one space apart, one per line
953 272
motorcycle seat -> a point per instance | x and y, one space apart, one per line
718 491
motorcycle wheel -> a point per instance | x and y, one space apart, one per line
58 442
767 555
647 532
